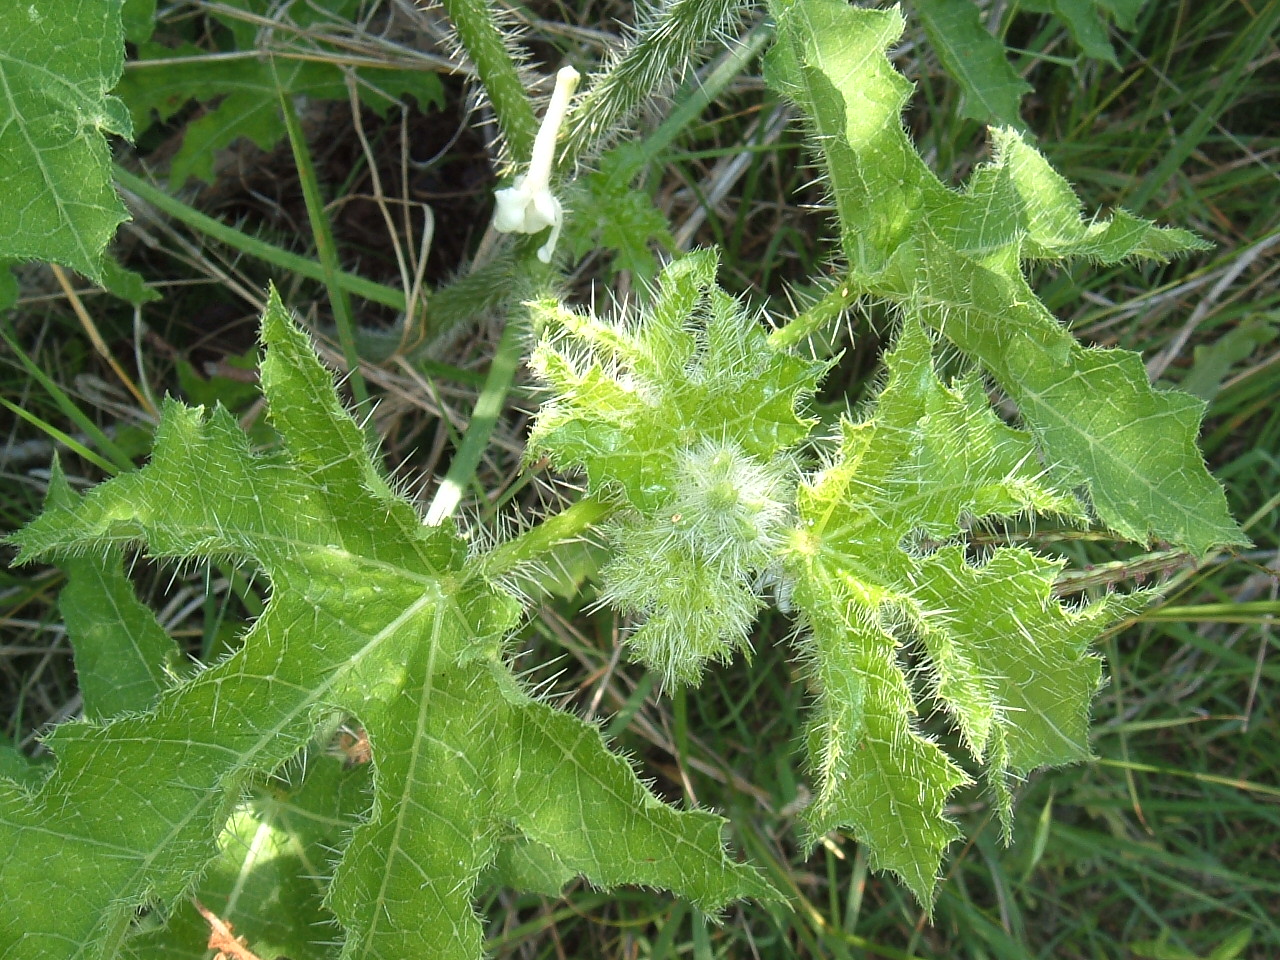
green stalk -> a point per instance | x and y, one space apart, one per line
495 63
698 94
238 240
538 541
819 316
71 443
327 250
493 395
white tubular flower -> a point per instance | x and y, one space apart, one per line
527 206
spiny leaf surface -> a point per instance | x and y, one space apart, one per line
954 259
881 572
269 875
123 656
372 615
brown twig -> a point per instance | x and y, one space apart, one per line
222 938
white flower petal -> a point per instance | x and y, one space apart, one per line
528 206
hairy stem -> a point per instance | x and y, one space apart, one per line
663 46
537 541
820 315
488 48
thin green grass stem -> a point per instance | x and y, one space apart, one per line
254 247
328 251
1239 57
493 395
120 461
72 444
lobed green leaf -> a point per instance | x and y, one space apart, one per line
123 656
881 574
953 259
372 616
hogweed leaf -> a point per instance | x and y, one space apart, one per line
1092 410
58 62
373 615
688 420
880 569
954 258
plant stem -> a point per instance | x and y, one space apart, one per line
488 406
690 101
566 525
327 250
817 317
663 46
495 63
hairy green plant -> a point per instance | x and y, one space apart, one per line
690 421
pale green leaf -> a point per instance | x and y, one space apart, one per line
123 657
954 258
270 875
139 18
373 615
1125 12
610 214
879 573
691 366
525 865
1087 28
59 60
17 767
975 58
688 419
